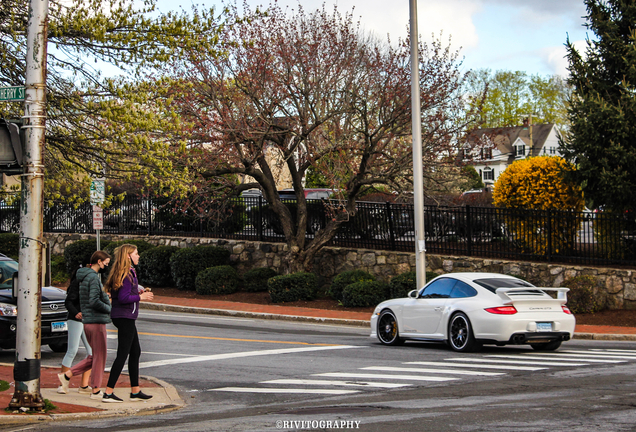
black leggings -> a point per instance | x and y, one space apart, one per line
127 347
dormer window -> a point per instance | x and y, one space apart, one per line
520 150
485 153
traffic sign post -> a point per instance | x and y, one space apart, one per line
14 93
98 194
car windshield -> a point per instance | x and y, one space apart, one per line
7 268
492 284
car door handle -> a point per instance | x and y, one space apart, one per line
437 309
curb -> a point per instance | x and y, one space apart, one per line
175 403
605 336
258 315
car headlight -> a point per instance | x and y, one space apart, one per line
8 310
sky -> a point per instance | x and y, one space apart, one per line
514 35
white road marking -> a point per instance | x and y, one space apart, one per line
485 366
280 390
335 383
242 354
516 362
614 350
433 371
574 353
564 359
585 357
385 377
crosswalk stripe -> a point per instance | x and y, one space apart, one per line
485 366
517 362
598 354
335 383
434 371
585 357
282 390
614 350
385 377
564 359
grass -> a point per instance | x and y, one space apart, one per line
4 386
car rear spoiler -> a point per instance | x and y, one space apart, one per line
562 296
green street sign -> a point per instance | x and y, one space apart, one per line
15 93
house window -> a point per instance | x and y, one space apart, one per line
521 150
486 153
552 150
489 174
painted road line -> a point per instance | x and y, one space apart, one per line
585 357
334 383
524 361
433 371
280 390
614 350
385 377
600 354
226 339
563 359
242 355
484 366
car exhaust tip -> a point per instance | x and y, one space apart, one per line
518 339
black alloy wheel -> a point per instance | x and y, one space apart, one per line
388 332
460 334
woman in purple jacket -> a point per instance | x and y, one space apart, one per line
125 295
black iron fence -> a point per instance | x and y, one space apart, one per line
532 235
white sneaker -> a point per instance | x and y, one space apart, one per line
64 382
97 395
87 390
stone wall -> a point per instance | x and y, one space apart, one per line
618 285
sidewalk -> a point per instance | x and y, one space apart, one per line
75 406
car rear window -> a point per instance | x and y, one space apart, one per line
491 284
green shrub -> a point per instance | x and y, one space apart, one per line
217 280
10 245
365 293
256 278
346 278
58 269
186 263
292 287
581 297
401 285
142 246
79 253
154 266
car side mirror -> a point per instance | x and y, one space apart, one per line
413 294
14 289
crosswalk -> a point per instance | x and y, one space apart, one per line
370 378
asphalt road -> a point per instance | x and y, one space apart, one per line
258 375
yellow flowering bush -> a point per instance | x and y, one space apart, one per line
538 183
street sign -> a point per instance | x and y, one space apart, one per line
98 191
98 218
15 93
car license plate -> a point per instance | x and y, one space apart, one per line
544 326
59 326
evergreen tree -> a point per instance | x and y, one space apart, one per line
602 139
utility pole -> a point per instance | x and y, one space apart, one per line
418 172
26 370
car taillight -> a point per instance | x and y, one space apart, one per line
502 310
566 310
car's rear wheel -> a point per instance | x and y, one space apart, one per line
548 346
388 332
59 347
460 334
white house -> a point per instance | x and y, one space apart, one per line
492 150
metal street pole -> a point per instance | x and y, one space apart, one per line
26 371
418 174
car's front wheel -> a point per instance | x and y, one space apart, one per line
548 346
388 332
460 334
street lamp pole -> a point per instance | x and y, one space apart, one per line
418 175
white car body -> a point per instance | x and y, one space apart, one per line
519 313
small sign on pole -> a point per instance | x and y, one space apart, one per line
98 191
98 218
14 93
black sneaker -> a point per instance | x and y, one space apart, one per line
111 398
141 396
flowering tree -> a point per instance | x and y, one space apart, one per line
308 90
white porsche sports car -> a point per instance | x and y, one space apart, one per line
467 310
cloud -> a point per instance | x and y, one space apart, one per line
555 57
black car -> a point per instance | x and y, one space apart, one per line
54 328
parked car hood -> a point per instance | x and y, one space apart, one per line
48 294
